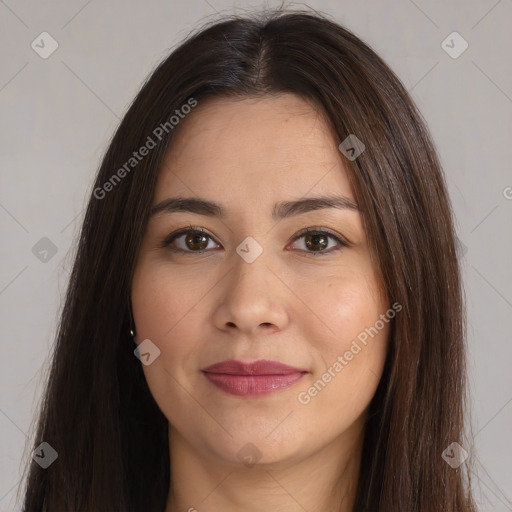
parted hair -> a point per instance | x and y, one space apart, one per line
97 411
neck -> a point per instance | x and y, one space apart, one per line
324 480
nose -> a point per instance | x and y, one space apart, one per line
252 299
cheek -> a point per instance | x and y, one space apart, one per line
164 312
348 305
350 311
162 302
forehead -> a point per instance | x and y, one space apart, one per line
253 150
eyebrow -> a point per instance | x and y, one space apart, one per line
281 210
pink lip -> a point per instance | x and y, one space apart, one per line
252 379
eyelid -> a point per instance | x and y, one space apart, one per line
337 236
175 234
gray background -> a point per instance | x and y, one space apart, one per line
57 116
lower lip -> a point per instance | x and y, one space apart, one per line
252 385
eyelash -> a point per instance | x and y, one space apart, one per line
314 230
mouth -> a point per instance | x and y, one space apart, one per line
252 379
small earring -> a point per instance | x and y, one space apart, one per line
131 320
132 334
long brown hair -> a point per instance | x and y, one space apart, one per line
97 411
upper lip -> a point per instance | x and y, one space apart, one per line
262 367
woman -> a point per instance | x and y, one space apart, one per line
265 312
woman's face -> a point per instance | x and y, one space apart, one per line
259 290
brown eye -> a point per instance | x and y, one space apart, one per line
196 241
188 240
316 241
